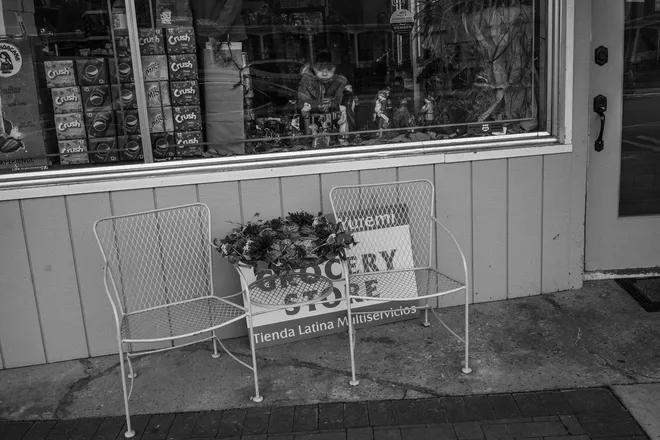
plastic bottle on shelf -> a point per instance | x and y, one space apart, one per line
119 20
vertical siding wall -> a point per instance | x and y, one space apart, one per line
511 216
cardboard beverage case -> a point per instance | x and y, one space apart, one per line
187 118
154 68
180 40
21 131
132 148
189 143
92 72
184 93
66 100
121 71
183 67
99 150
60 73
100 124
70 126
163 145
73 152
173 13
160 119
128 122
96 98
123 96
158 94
151 42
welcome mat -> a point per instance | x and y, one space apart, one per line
646 291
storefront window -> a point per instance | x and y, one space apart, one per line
238 77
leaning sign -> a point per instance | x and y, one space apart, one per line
302 322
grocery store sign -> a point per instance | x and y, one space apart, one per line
402 21
314 320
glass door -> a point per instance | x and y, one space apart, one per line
623 195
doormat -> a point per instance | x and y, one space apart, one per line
646 291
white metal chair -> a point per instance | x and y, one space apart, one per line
158 278
395 230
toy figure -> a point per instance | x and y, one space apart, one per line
402 116
350 101
319 87
379 116
342 122
428 112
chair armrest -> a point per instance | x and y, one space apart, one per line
458 247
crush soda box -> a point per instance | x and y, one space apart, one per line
160 119
100 124
183 67
189 143
184 93
121 70
96 98
123 96
154 68
158 93
131 148
73 152
180 40
92 72
70 126
151 42
66 100
100 150
128 122
60 73
187 118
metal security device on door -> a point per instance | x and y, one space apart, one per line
600 107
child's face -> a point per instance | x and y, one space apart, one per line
324 73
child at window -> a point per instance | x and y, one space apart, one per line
321 90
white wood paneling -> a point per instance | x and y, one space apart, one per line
329 181
378 176
51 261
20 331
556 219
302 193
100 327
261 197
453 194
223 201
524 229
489 222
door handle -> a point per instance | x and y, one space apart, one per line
600 106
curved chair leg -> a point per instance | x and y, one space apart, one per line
257 397
215 354
129 430
351 342
466 368
131 373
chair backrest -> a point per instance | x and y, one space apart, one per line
388 219
157 257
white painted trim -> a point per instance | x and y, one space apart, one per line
3 27
599 276
198 175
568 53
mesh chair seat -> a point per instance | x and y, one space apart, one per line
397 286
178 320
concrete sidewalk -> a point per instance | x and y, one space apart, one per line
593 337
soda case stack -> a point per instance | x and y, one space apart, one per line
124 103
184 91
67 105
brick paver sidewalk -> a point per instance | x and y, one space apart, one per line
553 415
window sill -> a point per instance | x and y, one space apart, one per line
118 178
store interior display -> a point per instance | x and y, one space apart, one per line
234 77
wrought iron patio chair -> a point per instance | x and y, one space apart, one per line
158 277
395 230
